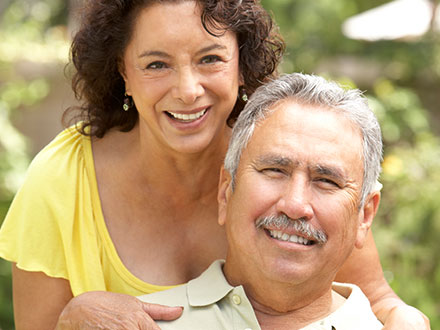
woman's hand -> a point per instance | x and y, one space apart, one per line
107 310
404 317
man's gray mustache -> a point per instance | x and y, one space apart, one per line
300 225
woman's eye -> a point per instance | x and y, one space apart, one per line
210 59
156 65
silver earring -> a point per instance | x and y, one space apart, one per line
128 103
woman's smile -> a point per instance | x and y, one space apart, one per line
183 80
188 116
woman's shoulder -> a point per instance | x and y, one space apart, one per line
67 154
53 210
69 144
61 174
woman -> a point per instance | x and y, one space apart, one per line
130 199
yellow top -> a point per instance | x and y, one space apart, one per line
55 224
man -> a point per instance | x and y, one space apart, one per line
296 195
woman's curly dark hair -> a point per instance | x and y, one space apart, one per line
106 27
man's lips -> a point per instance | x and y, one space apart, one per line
287 237
282 227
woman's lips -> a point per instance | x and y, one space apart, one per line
187 117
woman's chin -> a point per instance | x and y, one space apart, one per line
191 145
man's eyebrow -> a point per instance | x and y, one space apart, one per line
330 171
273 160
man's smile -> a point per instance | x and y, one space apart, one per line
282 236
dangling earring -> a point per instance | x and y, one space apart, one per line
128 103
244 96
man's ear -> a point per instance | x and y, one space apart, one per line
224 193
366 216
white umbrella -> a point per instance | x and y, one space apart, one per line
399 19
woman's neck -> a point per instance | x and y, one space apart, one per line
188 176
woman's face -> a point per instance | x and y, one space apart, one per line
183 80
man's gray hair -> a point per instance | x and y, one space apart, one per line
310 90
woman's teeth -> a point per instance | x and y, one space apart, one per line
187 117
279 235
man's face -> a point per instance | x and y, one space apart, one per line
306 163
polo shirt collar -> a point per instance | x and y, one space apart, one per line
355 311
208 288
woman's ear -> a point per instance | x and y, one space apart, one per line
224 193
366 216
122 72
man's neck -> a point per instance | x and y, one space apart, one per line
300 316
285 302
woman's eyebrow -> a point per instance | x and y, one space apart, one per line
210 48
166 55
154 53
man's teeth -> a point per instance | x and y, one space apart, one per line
187 117
291 238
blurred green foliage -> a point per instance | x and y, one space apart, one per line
28 33
404 95
407 227
6 312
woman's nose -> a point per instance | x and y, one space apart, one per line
295 200
188 87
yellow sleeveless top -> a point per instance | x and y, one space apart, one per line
55 224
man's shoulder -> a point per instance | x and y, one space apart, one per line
202 317
191 318
208 302
356 312
191 292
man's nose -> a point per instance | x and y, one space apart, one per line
188 87
295 199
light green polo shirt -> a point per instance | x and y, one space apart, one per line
211 303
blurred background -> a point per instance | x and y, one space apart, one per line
389 49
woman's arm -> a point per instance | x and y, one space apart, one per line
113 311
363 268
38 299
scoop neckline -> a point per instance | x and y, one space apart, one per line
115 260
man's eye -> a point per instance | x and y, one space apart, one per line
328 181
156 65
272 171
210 59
